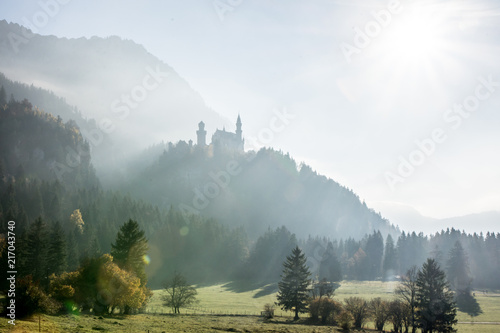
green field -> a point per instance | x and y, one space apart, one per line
231 308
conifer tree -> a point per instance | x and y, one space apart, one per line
458 270
329 267
57 255
436 309
36 250
3 97
390 259
293 291
129 249
73 252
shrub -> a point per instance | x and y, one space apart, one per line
358 308
344 320
268 312
380 312
31 299
324 307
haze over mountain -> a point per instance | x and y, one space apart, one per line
407 218
134 97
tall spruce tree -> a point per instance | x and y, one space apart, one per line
130 249
458 271
436 309
329 267
293 291
36 252
57 255
390 260
3 97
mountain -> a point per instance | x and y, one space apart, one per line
256 191
135 98
138 100
409 219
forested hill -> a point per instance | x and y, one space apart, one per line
257 191
37 145
100 143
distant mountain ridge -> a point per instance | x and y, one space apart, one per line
409 219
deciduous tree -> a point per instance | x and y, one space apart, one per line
178 293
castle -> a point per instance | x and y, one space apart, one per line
222 140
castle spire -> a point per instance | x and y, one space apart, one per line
238 128
202 134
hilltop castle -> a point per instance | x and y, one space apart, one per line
222 140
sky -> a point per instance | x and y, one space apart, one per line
396 100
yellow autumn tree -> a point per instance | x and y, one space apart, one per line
77 220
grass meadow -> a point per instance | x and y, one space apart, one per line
231 308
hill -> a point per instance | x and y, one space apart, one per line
257 191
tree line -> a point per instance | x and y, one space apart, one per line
425 300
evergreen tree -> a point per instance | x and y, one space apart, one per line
374 250
3 97
130 248
293 288
458 271
390 259
329 267
436 309
73 252
36 251
56 259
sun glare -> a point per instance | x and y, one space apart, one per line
415 36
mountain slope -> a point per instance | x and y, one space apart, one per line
257 191
135 97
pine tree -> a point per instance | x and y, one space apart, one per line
3 97
36 257
436 309
130 248
73 252
329 267
390 259
56 259
374 250
458 271
293 287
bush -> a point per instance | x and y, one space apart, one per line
268 312
358 308
314 306
344 320
324 307
30 299
380 312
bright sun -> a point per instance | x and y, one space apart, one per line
415 36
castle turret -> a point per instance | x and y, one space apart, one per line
238 129
202 134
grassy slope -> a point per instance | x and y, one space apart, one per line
227 298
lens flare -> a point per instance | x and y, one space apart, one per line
184 231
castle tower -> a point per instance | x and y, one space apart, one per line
202 134
238 129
